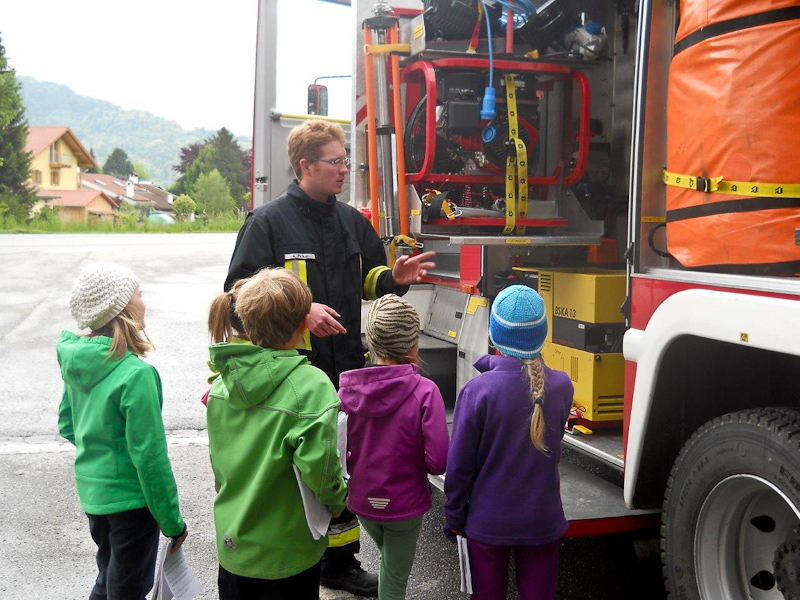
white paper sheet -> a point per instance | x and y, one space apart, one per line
174 577
317 515
463 563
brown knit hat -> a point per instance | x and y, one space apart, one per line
392 327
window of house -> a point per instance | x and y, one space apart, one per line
55 178
37 177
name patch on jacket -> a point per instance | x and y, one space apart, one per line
299 256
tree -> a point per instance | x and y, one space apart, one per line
140 170
213 194
183 206
93 169
188 156
223 153
118 164
16 195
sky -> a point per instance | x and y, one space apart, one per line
191 61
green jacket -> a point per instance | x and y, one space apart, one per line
111 411
268 410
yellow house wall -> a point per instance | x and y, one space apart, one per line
99 204
68 175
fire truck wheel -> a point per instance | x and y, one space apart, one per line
731 506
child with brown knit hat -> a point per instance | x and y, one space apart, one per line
396 435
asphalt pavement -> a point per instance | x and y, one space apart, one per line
45 548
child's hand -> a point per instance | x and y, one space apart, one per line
179 539
336 515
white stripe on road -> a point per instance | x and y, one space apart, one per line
46 444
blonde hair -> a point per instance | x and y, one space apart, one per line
223 323
126 333
271 305
534 370
305 140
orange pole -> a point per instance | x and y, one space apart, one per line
402 201
372 142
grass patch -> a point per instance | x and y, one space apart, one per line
127 223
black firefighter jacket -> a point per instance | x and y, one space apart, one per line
334 249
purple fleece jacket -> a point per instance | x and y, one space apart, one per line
500 489
396 435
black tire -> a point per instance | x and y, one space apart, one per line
737 482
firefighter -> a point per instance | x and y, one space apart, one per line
335 250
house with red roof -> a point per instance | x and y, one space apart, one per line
58 158
143 195
79 205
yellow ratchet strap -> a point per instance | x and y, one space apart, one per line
401 239
387 48
737 188
298 267
516 165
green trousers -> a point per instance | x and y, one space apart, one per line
397 543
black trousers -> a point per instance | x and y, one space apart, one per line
303 586
127 544
341 558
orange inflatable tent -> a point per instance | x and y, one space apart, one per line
733 111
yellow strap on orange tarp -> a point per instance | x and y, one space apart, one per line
720 185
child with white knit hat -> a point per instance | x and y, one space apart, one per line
111 412
502 482
396 436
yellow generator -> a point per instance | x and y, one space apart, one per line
584 338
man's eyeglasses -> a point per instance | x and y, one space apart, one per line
335 162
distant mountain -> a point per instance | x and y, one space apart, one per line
103 126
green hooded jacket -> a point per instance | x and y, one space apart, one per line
111 411
268 410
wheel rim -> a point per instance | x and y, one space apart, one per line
741 524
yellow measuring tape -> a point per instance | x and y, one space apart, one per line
516 166
736 188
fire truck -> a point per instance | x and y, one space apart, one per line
637 162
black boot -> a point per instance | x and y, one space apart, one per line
353 579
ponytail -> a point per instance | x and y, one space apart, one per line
534 370
223 323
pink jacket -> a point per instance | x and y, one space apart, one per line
396 435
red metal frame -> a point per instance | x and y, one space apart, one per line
427 69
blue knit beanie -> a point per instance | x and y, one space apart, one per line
518 322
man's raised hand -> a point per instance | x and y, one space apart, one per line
411 269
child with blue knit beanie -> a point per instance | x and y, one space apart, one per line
502 483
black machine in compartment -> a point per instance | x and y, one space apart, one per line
591 337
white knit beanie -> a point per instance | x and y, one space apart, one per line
101 292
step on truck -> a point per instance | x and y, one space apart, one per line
637 162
